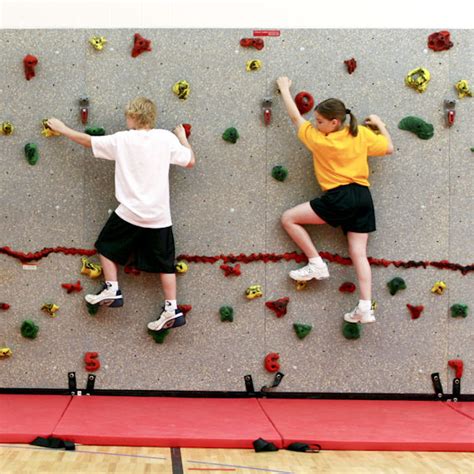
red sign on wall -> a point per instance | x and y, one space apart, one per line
266 32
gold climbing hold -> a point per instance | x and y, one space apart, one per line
48 132
182 267
253 65
463 89
98 42
92 270
182 89
50 308
418 79
439 287
253 291
5 352
7 128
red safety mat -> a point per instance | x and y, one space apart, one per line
371 424
466 408
24 417
166 422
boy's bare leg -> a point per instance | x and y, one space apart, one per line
168 283
358 253
109 268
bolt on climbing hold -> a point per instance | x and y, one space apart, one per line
271 362
84 108
463 89
31 153
396 284
253 65
415 311
5 352
95 131
418 126
253 291
459 310
29 329
50 308
302 330
92 362
29 63
449 111
231 135
98 42
226 313
279 306
304 102
351 330
187 129
140 45
47 131
439 287
92 270
7 128
418 79
267 110
279 172
440 41
182 89
256 43
351 65
182 267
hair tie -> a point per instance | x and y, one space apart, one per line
348 111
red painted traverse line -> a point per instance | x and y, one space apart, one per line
254 257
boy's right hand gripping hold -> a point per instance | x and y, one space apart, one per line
284 84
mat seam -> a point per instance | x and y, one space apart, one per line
270 420
62 415
460 412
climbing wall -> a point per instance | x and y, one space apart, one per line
229 204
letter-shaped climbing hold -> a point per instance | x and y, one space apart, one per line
301 285
271 362
5 352
140 45
267 110
92 362
231 135
256 43
50 308
92 270
347 287
71 287
7 128
182 89
230 270
187 129
458 366
84 108
459 310
98 42
182 267
463 89
418 126
302 330
440 41
95 131
253 291
279 306
253 65
279 172
31 153
415 311
304 101
351 330
4 306
351 65
29 329
226 313
47 131
449 111
29 63
418 79
396 284
439 287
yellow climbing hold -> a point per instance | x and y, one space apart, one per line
47 132
253 291
182 89
253 65
181 267
439 287
418 79
5 352
301 285
462 87
98 42
7 128
92 270
50 308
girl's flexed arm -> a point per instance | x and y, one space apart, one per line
284 85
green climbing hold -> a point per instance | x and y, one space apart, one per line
418 126
302 330
95 131
472 149
159 336
459 309
29 329
280 173
227 313
396 284
351 330
231 135
92 309
31 153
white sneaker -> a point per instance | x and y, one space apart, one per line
309 272
107 297
166 320
359 316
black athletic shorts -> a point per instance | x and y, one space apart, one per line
150 250
349 206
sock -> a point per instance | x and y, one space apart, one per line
170 305
112 285
365 305
317 261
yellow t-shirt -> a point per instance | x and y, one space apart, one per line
339 158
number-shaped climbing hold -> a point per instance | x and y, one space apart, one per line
271 362
91 360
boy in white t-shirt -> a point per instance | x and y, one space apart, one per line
141 225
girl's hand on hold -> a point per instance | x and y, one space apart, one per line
374 121
283 83
56 125
180 132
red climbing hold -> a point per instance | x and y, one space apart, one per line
29 62
256 43
304 101
92 361
132 270
351 65
347 287
230 270
278 306
458 366
415 311
4 306
185 308
187 129
440 41
140 45
70 287
271 362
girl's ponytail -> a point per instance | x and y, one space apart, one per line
353 130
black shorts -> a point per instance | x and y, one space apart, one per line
150 250
349 206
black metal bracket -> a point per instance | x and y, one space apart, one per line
438 388
456 390
249 388
71 381
90 384
276 381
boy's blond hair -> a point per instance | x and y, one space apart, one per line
143 111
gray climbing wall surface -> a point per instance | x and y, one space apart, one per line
230 204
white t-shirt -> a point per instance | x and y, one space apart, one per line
142 161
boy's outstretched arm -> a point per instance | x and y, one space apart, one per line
284 85
78 137
181 134
375 120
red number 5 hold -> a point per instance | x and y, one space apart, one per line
92 361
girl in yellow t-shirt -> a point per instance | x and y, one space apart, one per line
340 162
